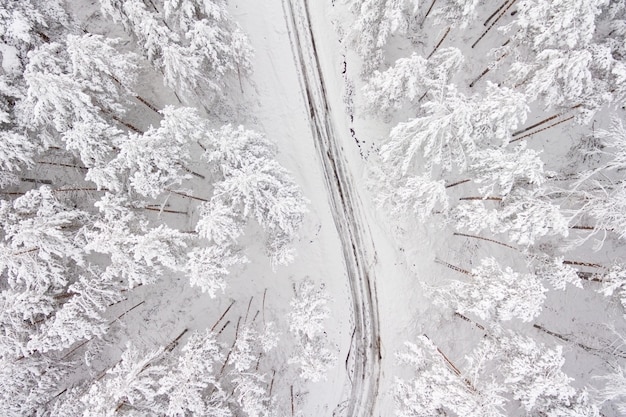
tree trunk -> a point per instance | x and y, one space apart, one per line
568 339
65 190
165 210
589 276
491 66
245 320
126 312
271 384
172 345
467 319
222 316
230 351
578 263
485 239
223 327
453 267
148 104
582 227
480 198
195 174
187 195
541 130
495 13
493 23
128 125
62 165
36 181
263 305
454 184
443 38
427 13
546 120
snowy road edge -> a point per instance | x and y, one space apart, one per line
365 351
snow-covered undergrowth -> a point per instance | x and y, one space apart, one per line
498 139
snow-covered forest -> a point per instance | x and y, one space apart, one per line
313 208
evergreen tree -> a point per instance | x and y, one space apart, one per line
138 254
525 216
495 294
81 317
414 195
28 384
452 127
459 13
192 387
306 324
409 79
376 21
534 376
195 44
255 186
437 389
500 170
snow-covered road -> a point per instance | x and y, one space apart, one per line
364 359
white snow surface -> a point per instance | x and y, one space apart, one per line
393 258
282 112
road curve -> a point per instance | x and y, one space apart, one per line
363 361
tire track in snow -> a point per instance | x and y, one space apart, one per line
365 351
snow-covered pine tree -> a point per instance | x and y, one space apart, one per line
555 271
566 24
155 382
25 25
138 254
107 74
20 311
54 100
452 127
250 386
560 78
156 160
409 79
534 377
191 386
16 154
42 234
564 55
306 324
220 46
255 186
195 44
614 388
525 215
265 191
27 385
208 266
413 195
132 383
458 13
75 94
614 283
600 191
494 293
498 170
440 388
251 394
149 29
81 317
376 21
